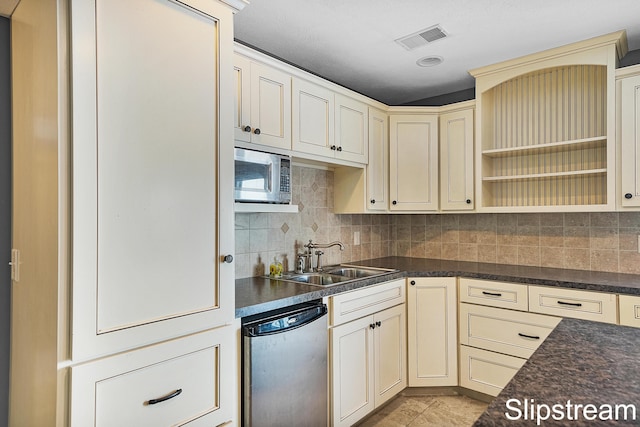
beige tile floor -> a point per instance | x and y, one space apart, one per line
413 410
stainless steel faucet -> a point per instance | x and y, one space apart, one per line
310 246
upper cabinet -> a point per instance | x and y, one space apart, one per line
328 124
628 90
544 129
456 159
351 140
413 162
358 190
313 118
377 171
262 113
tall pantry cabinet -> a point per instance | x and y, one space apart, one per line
123 283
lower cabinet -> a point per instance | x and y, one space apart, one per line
432 331
368 362
187 381
486 371
629 310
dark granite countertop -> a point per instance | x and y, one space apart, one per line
580 363
255 294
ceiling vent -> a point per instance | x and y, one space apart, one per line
422 37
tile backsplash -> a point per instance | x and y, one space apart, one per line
262 236
586 241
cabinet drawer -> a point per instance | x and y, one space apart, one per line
586 305
486 371
119 390
505 331
496 294
629 310
362 302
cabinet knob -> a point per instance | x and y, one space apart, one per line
373 201
394 203
372 325
247 129
257 131
413 283
378 323
333 147
228 259
468 201
628 196
339 148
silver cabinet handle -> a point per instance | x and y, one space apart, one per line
228 259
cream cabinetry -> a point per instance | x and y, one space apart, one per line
497 335
377 171
628 91
432 331
413 162
496 294
313 118
352 128
328 124
456 160
172 383
358 190
545 127
131 216
504 331
486 371
368 350
262 113
587 305
629 307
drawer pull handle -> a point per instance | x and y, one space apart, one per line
533 337
164 398
493 294
573 304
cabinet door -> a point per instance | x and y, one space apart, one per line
432 332
351 130
413 165
352 371
270 107
389 353
313 119
378 168
630 142
456 160
147 158
242 98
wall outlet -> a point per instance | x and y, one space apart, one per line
356 238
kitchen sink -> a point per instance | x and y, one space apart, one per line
336 274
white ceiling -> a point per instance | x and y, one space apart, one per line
351 42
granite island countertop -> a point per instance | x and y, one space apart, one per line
258 294
580 363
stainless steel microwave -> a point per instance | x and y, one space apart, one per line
262 177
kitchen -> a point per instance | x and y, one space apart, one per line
598 241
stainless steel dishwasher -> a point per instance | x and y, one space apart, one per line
285 367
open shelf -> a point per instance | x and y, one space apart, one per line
521 169
544 175
264 207
575 144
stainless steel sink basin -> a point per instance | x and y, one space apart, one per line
356 272
321 279
336 274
